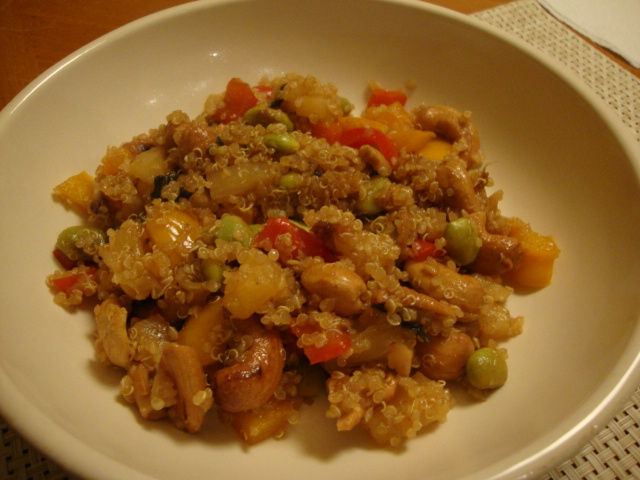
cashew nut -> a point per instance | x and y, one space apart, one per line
444 283
194 398
408 297
444 358
411 298
251 382
457 187
498 253
455 126
141 383
113 341
331 280
372 156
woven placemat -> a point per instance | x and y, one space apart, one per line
530 22
615 452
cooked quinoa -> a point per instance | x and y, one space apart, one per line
278 247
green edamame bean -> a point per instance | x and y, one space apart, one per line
234 229
263 115
300 224
346 106
213 270
281 142
462 239
81 242
369 205
486 368
291 181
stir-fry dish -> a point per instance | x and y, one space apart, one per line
278 247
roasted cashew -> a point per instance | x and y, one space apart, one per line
194 398
498 253
444 283
372 156
457 188
455 126
141 383
444 358
111 323
251 382
334 281
351 419
411 298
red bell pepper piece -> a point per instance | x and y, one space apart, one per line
380 96
238 98
338 342
423 249
65 284
359 136
302 242
265 89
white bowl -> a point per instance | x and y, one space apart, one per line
564 163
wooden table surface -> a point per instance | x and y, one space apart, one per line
36 34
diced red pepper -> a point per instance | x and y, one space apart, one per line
265 89
65 284
359 136
338 342
65 261
238 98
423 249
380 96
302 242
331 132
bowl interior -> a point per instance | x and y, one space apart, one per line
560 159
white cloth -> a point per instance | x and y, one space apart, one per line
613 24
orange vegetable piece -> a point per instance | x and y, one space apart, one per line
271 419
329 131
238 98
394 116
349 123
203 332
436 149
382 96
76 191
538 256
412 140
114 159
174 233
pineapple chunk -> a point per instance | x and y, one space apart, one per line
149 164
255 285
